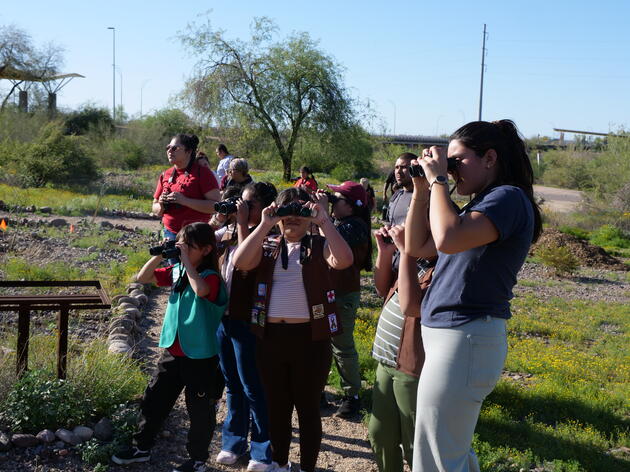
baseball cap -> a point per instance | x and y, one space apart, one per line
353 191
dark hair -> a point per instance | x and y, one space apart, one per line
201 235
190 142
407 156
222 148
233 191
309 172
202 156
363 212
290 194
514 166
264 192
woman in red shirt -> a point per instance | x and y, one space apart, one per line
185 193
306 181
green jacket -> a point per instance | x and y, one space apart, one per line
194 319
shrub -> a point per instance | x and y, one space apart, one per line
89 118
609 235
123 153
574 231
559 258
57 159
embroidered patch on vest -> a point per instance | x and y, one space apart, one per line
261 318
254 319
330 295
318 311
332 322
262 290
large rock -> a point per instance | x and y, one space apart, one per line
46 436
45 209
119 347
124 322
83 432
123 338
118 330
104 430
58 222
106 224
5 442
133 312
135 286
68 436
125 305
125 299
24 440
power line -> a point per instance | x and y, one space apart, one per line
483 65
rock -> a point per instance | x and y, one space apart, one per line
125 305
24 440
5 442
83 432
119 347
123 322
142 298
106 224
59 445
131 300
123 338
135 286
67 436
92 249
118 330
45 210
46 436
104 430
58 222
133 312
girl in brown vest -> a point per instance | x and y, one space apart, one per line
294 316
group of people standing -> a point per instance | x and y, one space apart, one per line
264 299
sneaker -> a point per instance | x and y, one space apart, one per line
275 467
256 466
191 465
350 407
131 455
226 457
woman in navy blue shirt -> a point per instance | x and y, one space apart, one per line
464 312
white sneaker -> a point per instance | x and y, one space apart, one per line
275 467
256 466
226 457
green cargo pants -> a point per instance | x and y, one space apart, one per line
344 352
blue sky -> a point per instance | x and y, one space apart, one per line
562 64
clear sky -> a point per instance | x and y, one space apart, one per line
563 64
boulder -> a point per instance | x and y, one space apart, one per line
133 312
83 432
125 305
106 224
118 330
135 286
104 430
58 222
67 436
125 299
24 440
122 321
45 209
5 442
46 436
124 338
119 347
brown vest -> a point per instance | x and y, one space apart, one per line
411 350
320 294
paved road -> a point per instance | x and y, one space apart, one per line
560 200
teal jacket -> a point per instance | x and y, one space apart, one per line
193 318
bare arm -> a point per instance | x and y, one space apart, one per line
418 240
408 287
157 208
146 275
383 273
248 254
205 205
242 215
197 283
337 253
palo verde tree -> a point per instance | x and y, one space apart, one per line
282 87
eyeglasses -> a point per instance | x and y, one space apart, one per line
174 147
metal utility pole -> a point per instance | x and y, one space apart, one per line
483 66
113 72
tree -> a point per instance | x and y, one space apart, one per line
281 87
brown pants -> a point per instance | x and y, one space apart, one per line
293 370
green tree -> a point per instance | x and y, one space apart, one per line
282 86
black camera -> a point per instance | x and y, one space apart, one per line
168 250
416 171
226 207
295 209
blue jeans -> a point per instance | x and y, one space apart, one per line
245 395
168 234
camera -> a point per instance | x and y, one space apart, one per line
416 171
168 250
226 207
295 209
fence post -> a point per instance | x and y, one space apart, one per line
24 324
62 341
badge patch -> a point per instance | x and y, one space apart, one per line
262 290
318 311
330 295
332 322
254 319
261 318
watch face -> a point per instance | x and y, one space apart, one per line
441 179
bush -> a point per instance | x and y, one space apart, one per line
574 231
38 401
559 258
56 159
610 236
89 118
123 153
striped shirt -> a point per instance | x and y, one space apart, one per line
288 295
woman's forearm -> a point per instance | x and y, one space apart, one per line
383 273
416 223
443 218
145 275
408 288
157 208
249 252
341 255
202 206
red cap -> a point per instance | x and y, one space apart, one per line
353 191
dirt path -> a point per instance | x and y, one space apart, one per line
131 223
560 200
344 447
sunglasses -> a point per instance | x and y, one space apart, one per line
174 147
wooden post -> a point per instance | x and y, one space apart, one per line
62 341
24 322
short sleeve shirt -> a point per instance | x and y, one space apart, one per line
479 281
397 214
192 184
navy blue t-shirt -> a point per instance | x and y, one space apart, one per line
479 281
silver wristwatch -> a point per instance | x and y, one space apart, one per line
440 180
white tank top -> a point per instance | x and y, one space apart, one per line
288 296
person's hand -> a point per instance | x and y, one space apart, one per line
183 250
420 184
433 162
163 198
175 197
320 205
242 212
269 217
382 244
397 233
